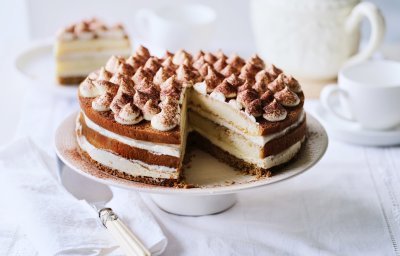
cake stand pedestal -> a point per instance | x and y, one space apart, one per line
215 183
194 205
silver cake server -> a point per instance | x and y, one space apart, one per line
97 195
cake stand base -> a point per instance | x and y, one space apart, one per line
194 205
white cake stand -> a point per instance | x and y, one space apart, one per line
218 183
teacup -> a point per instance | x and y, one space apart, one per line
370 91
188 26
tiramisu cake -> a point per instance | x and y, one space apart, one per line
85 46
138 114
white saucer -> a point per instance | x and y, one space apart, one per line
217 181
352 132
36 64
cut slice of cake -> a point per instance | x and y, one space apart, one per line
85 46
137 113
248 115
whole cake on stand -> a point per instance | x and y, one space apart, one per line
139 114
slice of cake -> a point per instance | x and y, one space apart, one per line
85 46
246 113
138 114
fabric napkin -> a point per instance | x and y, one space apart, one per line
54 221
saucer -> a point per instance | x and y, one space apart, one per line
36 64
352 132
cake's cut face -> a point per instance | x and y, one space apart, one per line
138 113
85 46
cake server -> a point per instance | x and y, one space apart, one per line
97 195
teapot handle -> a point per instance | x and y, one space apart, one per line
377 21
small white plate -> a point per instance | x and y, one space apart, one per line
352 132
36 64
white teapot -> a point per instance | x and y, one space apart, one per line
313 39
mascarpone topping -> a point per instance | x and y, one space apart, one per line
199 62
228 90
235 61
160 77
113 64
210 58
235 104
274 112
129 114
180 57
254 108
201 88
150 109
273 70
102 102
87 89
246 96
104 74
143 81
91 29
228 70
112 33
218 96
291 83
168 118
287 98
220 64
152 65
142 53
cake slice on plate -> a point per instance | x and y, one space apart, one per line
138 114
85 46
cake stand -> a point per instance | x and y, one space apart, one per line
217 183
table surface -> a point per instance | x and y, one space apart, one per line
342 199
362 190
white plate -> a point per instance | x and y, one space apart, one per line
36 64
212 176
352 132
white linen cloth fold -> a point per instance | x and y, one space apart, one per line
54 221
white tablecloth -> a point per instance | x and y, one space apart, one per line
348 204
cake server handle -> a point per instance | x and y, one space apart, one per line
129 243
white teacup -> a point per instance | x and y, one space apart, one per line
188 26
370 91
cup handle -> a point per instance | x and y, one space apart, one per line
142 19
327 94
378 28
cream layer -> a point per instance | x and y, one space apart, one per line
219 112
94 54
154 148
237 145
66 47
129 166
225 112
